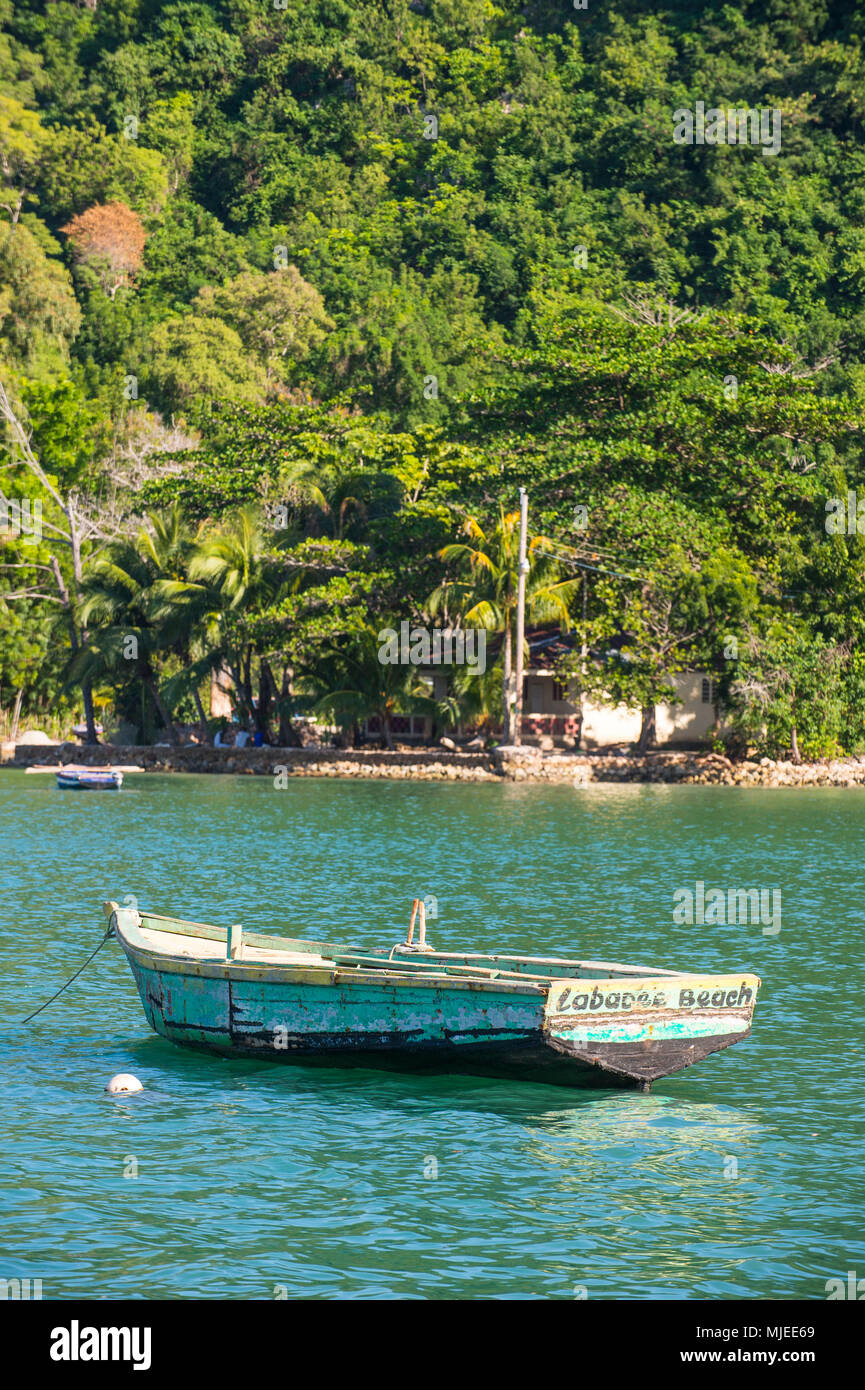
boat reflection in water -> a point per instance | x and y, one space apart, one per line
661 1184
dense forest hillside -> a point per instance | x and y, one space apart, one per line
295 297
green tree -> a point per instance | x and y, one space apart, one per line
125 612
169 127
87 165
232 577
22 147
39 315
196 360
789 694
279 318
359 686
487 597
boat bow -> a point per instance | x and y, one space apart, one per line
645 1028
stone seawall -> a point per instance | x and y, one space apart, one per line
296 762
437 764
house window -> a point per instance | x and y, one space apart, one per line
710 691
559 693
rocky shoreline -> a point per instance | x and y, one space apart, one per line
525 764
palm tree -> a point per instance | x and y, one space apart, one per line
333 500
487 597
321 499
232 576
472 699
359 686
218 615
123 609
170 546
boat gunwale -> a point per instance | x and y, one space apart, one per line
345 968
328 975
607 969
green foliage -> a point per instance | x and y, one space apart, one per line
359 686
279 318
89 165
22 148
39 315
67 428
401 261
791 694
197 360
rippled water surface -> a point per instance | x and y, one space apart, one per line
739 1178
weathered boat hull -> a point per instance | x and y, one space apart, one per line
572 1031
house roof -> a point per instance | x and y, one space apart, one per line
547 645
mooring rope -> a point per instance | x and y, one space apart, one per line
70 980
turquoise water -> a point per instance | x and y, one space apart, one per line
739 1178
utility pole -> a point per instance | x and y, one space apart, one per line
521 614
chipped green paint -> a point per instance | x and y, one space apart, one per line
541 1018
631 1032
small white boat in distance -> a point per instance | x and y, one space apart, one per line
92 778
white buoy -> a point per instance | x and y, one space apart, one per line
124 1083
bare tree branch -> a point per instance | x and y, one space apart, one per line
799 371
657 313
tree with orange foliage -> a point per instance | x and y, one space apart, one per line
109 236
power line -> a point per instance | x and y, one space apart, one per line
596 569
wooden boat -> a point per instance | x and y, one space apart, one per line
536 1018
94 778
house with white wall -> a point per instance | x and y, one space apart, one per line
553 709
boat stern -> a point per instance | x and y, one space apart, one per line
640 1029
